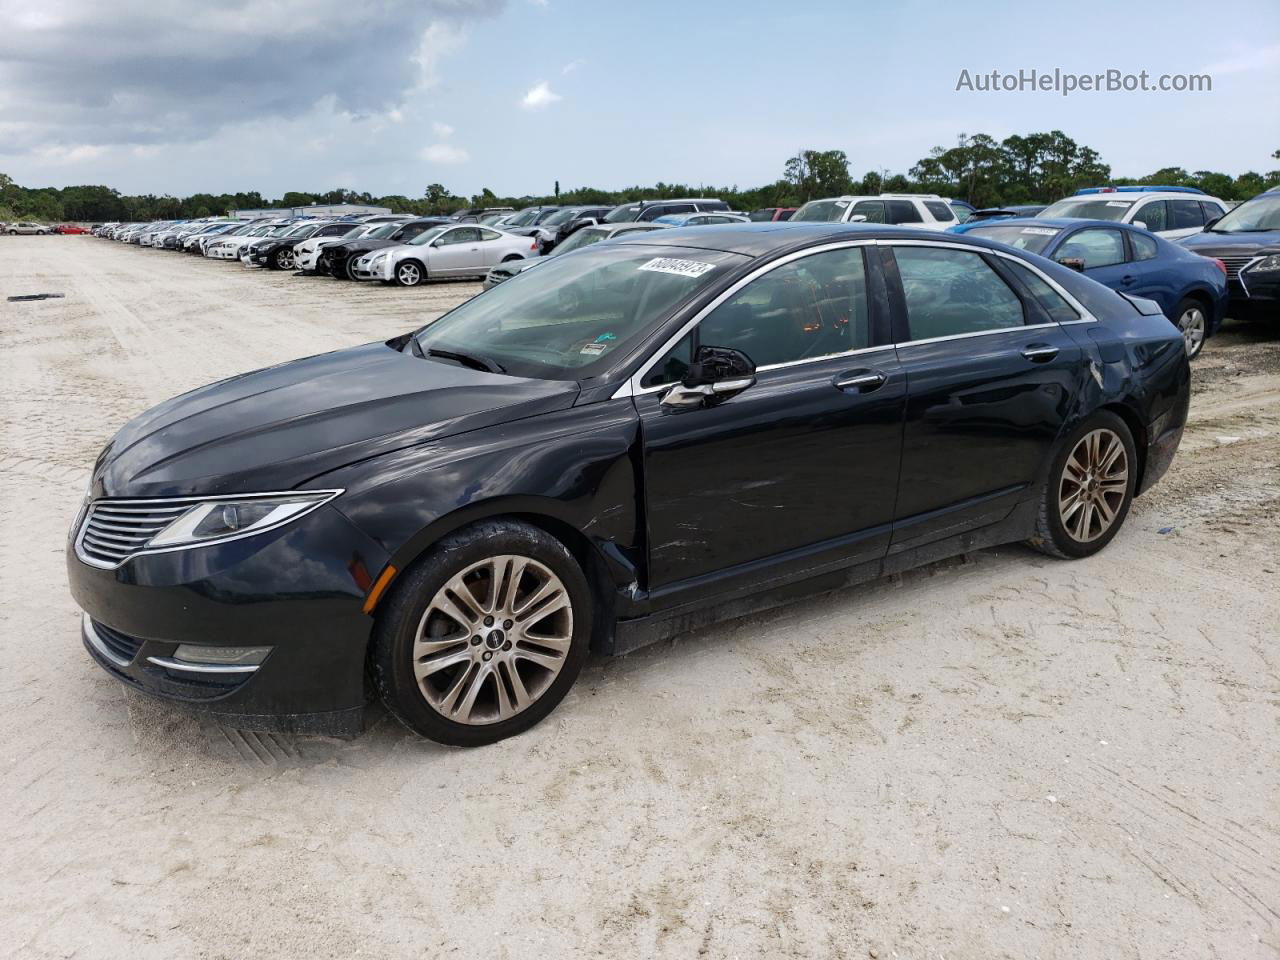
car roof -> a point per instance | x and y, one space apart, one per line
764 237
1060 223
1134 196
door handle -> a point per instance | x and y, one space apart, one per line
1040 352
863 381
1126 280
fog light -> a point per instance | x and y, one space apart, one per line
221 656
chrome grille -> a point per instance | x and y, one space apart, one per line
1233 265
114 530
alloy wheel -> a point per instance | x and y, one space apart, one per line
408 274
493 639
1191 326
284 259
1093 486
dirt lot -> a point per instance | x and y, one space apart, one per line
1000 757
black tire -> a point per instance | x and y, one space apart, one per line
1052 535
510 257
13 233
394 635
348 270
1191 317
408 278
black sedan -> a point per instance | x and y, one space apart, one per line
625 443
339 259
277 252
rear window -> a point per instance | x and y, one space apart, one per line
1088 209
1024 237
941 212
822 211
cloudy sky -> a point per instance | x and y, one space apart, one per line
179 96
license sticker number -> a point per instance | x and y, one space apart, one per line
1039 231
681 268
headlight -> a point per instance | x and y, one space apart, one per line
379 260
223 519
1269 264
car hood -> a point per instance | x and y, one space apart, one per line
279 427
357 247
1211 244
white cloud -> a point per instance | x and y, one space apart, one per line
442 130
444 153
539 96
1246 61
571 66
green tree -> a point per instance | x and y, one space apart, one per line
818 173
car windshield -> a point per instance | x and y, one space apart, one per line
822 211
303 228
1024 237
523 218
354 232
1260 213
672 218
1092 208
623 214
560 216
383 230
583 238
426 236
565 320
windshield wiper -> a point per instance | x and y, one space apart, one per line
467 359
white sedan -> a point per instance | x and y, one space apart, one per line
466 250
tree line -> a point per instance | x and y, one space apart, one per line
1037 167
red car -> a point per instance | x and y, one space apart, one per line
768 214
69 228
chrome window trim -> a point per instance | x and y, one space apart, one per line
87 512
1240 274
632 388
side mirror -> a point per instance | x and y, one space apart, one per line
1142 224
858 218
716 374
1210 223
1072 263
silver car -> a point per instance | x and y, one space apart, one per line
466 250
26 227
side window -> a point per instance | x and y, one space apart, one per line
871 210
463 235
489 234
713 205
952 292
1097 248
409 232
1048 298
1186 215
1211 211
1155 215
1144 247
941 212
450 237
903 211
812 307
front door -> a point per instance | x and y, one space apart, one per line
795 472
991 379
457 252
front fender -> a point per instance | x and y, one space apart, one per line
578 467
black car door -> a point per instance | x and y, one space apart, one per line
991 379
796 471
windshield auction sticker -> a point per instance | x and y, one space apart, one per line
1039 231
681 268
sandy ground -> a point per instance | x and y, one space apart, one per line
1004 756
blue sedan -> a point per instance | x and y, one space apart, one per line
1191 290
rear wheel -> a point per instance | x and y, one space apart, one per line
1089 489
409 273
283 258
1192 323
484 636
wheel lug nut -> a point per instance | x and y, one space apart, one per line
488 655
488 621
508 624
475 641
507 645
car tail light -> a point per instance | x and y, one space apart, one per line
534 245
1221 266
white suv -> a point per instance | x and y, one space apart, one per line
1170 212
925 210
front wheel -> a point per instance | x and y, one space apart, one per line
347 270
409 273
1089 489
283 258
484 636
1191 323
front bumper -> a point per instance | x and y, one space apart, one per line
367 271
1254 295
298 590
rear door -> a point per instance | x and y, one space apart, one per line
991 379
